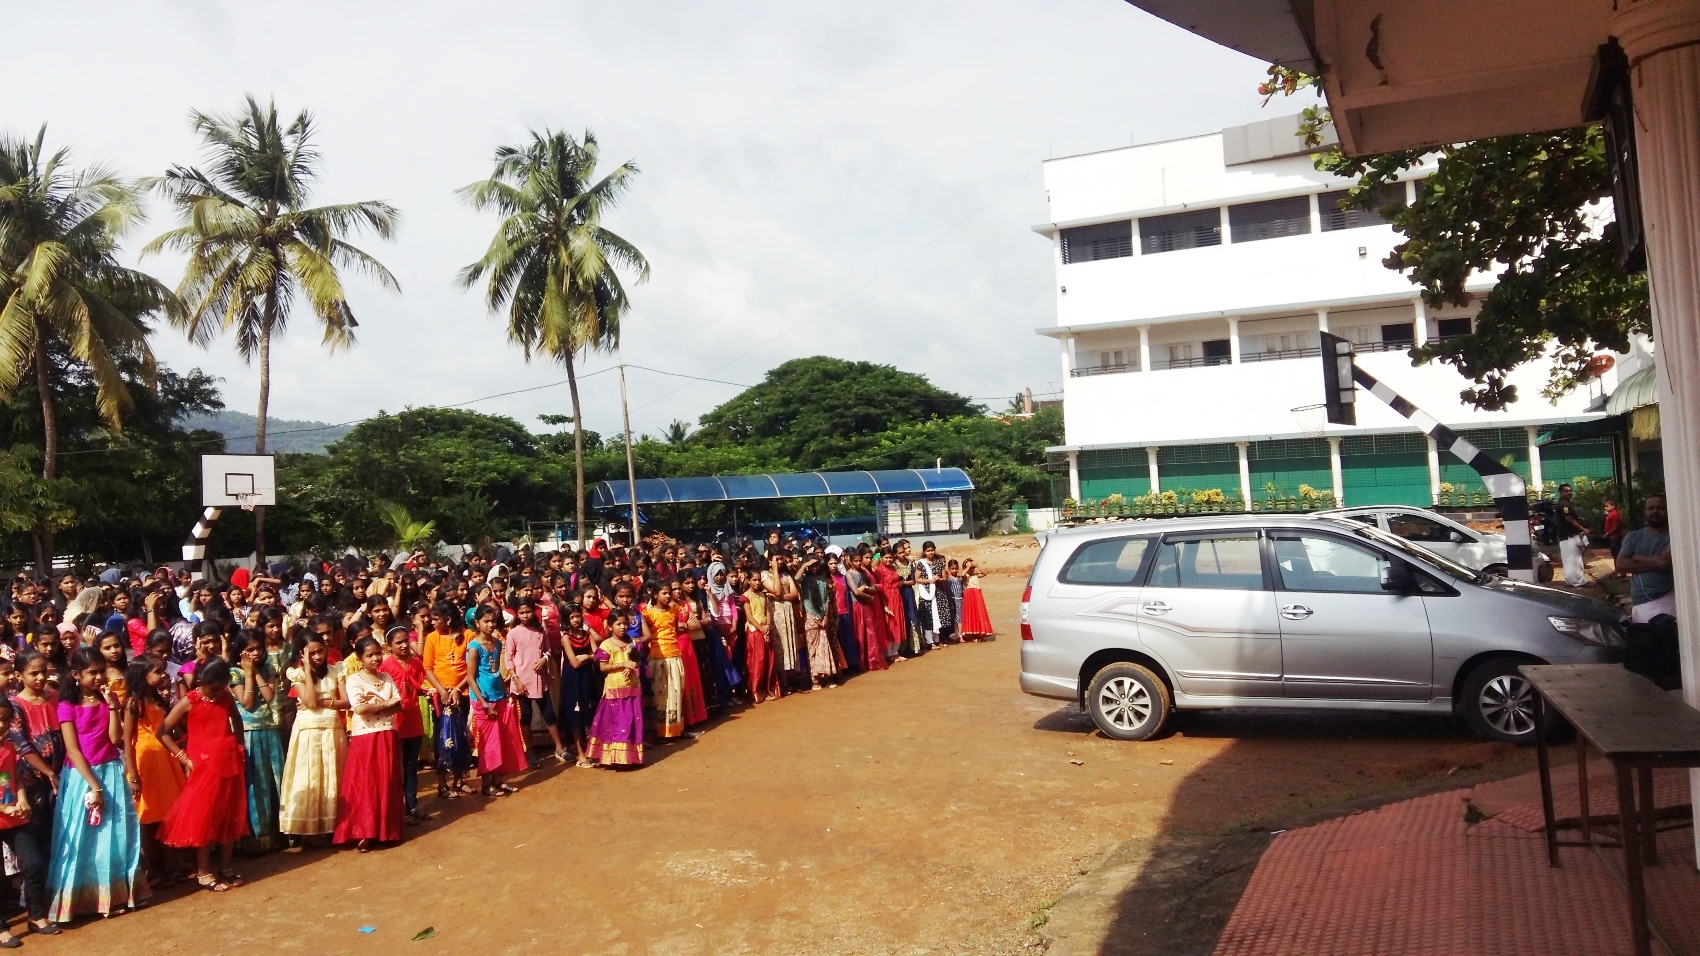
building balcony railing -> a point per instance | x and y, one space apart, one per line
1085 370
1277 355
1198 361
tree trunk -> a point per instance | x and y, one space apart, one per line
260 424
49 447
578 451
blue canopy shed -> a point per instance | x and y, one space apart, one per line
907 501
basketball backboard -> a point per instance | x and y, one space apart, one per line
236 480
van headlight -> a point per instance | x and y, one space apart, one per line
1587 631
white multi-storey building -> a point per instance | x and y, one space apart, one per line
1193 278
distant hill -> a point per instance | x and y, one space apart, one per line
282 434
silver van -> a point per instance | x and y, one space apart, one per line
1135 620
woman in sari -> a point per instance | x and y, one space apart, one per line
816 591
891 601
786 626
867 614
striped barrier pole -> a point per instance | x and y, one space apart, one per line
195 548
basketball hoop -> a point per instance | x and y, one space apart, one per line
1312 420
245 501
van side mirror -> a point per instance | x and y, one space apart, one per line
1396 577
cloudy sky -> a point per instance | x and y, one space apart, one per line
849 179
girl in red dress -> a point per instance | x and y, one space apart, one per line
976 621
213 807
369 807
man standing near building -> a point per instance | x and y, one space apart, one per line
1645 557
1572 540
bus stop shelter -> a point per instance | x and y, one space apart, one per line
906 500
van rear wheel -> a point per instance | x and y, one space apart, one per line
1128 702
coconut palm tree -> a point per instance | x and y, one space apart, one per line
62 289
255 245
552 263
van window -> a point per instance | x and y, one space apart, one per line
1318 563
1115 561
1226 563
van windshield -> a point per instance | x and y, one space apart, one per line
1420 554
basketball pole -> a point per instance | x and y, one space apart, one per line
631 469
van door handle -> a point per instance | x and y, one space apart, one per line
1296 612
1157 607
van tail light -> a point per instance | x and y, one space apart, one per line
1026 628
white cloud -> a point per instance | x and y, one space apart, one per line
790 152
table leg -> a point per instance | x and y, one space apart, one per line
1632 861
1582 788
1649 817
1545 764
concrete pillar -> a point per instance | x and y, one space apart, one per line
1339 475
1234 340
1662 41
1145 348
1419 320
1151 463
1534 458
1322 320
1245 472
1070 359
1074 475
1433 471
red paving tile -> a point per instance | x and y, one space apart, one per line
1412 879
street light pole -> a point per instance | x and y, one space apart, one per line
631 469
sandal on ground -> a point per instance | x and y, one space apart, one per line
585 762
233 878
364 846
46 929
10 942
211 883
504 789
445 793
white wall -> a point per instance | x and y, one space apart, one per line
1254 401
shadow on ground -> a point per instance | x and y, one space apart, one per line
1170 893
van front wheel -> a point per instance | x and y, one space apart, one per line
1128 702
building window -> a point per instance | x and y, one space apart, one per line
1334 218
1270 220
1182 230
1180 356
1399 333
1218 352
1287 344
1451 328
1112 240
1110 359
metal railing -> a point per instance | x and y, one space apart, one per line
1103 369
1276 355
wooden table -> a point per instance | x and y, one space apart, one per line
1635 725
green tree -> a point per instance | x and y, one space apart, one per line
1528 206
552 264
254 244
61 282
821 410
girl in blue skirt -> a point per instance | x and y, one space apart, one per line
95 866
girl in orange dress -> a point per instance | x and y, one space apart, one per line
159 776
213 807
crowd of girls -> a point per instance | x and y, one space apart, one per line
157 725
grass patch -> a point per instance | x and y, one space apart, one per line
1041 914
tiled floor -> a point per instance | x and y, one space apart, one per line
1417 878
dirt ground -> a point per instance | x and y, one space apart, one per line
933 808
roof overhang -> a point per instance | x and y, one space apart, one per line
1480 284
1404 74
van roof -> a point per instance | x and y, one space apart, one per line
1223 522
